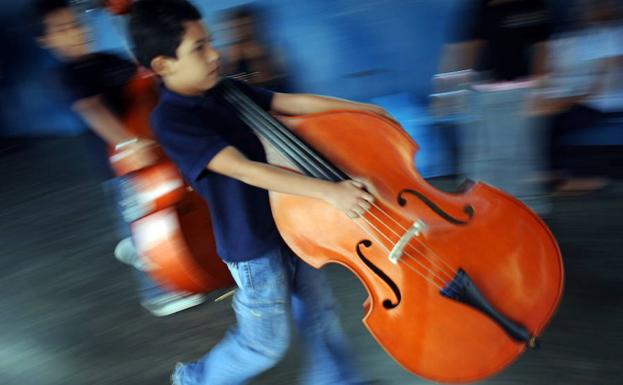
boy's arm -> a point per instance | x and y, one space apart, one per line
103 122
108 127
348 196
301 104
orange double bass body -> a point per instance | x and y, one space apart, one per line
459 284
170 222
506 249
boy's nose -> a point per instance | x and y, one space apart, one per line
213 55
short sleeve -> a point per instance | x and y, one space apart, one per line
96 74
261 96
188 143
76 87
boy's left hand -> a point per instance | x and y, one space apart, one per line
349 196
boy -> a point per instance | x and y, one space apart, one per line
225 162
95 82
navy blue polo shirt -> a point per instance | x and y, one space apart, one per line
192 130
99 73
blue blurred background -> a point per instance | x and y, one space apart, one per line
69 312
381 51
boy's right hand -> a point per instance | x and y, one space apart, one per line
143 152
351 197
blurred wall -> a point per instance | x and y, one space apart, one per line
358 49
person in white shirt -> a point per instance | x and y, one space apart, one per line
586 88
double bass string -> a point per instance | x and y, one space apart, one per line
270 135
254 115
402 227
249 116
370 212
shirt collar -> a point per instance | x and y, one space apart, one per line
184 100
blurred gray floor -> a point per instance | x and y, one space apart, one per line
69 313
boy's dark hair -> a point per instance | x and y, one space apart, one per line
43 8
156 27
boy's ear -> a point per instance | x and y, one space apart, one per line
162 65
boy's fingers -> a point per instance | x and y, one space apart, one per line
365 205
356 183
368 197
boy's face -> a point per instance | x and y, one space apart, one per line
196 68
65 35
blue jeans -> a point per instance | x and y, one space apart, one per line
271 290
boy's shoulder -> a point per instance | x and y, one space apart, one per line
171 115
98 61
96 72
165 111
186 108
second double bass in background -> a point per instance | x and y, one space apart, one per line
459 285
170 223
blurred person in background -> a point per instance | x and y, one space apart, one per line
503 40
248 57
95 82
499 57
585 89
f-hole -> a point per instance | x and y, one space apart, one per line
387 303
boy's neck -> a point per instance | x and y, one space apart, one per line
185 91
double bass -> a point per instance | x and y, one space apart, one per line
170 223
459 285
